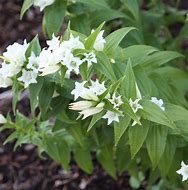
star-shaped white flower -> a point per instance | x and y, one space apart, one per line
54 43
78 90
183 171
90 58
111 116
28 77
116 101
48 62
97 88
72 44
159 102
73 64
135 105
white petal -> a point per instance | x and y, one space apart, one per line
90 111
2 119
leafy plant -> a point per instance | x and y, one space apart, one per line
124 103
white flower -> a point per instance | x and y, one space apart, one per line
97 88
16 53
90 58
116 101
72 63
159 102
28 77
81 105
5 82
135 105
90 111
48 62
9 70
54 43
111 116
72 44
2 119
183 171
99 42
85 93
43 3
33 62
79 89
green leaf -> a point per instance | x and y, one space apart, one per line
34 90
34 47
129 111
62 116
137 136
92 38
83 159
96 4
145 84
123 156
156 142
94 120
128 87
17 90
114 39
167 157
120 128
176 113
26 5
76 131
45 96
104 66
133 7
105 157
102 15
137 51
54 16
154 113
161 57
58 149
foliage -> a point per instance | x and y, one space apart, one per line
137 88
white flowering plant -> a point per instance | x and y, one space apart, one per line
89 95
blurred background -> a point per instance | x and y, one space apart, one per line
23 169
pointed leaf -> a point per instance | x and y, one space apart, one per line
137 136
91 39
156 142
114 39
120 128
83 159
54 16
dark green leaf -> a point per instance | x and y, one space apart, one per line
156 142
54 16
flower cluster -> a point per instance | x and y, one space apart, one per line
14 61
92 104
58 53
